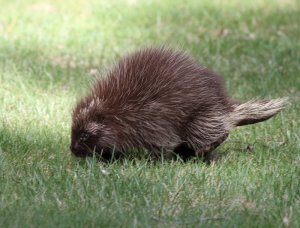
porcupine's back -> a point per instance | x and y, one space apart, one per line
159 79
155 92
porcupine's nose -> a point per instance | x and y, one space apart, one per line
77 150
73 147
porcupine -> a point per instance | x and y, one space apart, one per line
159 99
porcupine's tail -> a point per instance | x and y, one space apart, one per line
255 111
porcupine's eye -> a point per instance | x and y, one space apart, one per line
84 137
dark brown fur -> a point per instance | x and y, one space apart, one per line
159 99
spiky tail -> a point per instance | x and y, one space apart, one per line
255 111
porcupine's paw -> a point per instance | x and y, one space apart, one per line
212 146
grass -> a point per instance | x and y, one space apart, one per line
48 53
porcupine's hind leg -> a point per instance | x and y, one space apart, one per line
212 146
206 133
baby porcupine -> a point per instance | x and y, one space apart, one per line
158 99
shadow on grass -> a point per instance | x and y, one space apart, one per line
32 144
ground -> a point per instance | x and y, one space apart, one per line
51 51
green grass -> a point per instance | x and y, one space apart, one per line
47 54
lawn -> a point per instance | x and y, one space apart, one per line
49 53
